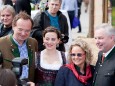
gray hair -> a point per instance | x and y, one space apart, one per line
109 29
10 8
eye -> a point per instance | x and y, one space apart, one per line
53 39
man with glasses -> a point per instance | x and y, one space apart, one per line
20 45
50 17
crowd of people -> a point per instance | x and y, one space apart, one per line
41 41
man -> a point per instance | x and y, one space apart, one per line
51 17
20 45
22 5
105 69
7 14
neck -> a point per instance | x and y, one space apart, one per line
7 26
19 41
50 52
82 68
52 14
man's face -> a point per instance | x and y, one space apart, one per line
6 17
103 41
22 30
54 6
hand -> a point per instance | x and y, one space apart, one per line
31 83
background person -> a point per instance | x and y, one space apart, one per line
104 75
7 14
78 72
71 7
23 5
7 78
20 45
50 59
50 17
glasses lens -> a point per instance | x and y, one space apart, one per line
73 54
76 54
79 54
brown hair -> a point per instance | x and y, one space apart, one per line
7 78
21 15
52 29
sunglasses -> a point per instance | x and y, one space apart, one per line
76 54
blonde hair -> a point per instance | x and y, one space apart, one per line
84 46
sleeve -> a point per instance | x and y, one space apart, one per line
37 27
76 8
60 81
62 5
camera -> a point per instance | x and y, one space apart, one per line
17 69
64 38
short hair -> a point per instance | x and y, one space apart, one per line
21 15
9 7
7 78
84 46
109 29
52 29
55 0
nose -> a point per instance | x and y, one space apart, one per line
23 32
54 6
96 40
5 17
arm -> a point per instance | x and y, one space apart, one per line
60 81
38 26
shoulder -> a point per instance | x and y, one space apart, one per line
64 69
4 38
1 25
33 40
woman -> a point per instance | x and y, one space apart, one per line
78 72
7 14
50 59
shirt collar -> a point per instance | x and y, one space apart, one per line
18 43
109 51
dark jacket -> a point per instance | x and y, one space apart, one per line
23 5
105 72
65 77
5 31
41 21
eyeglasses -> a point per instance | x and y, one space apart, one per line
76 54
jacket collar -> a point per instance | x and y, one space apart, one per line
15 50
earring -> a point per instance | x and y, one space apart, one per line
57 45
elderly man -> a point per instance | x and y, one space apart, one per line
50 17
20 45
105 69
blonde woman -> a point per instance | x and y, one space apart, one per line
78 72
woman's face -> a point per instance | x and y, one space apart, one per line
6 17
78 56
50 40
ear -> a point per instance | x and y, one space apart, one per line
113 37
43 39
59 41
13 28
